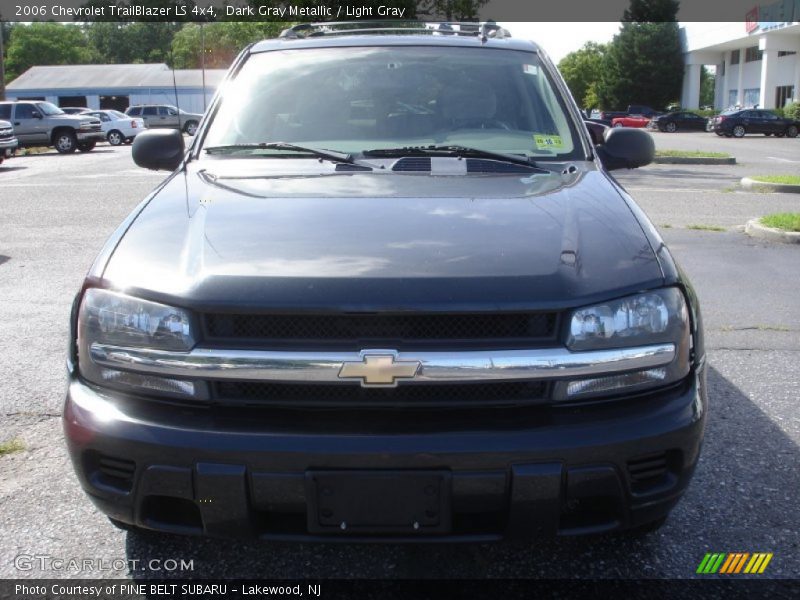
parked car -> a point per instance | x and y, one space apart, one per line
164 115
739 122
8 141
632 110
679 121
44 124
631 121
118 127
429 312
75 110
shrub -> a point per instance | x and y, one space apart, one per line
792 111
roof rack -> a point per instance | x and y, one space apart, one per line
484 30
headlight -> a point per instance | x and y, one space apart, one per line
656 317
112 319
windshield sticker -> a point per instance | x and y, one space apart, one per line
547 142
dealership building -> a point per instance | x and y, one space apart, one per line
757 60
117 86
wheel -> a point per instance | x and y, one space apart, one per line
190 128
671 127
618 125
791 131
65 142
719 133
738 131
86 146
115 138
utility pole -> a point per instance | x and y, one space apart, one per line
203 61
2 65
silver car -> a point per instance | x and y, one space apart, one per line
165 115
8 141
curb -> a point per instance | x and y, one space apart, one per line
765 186
756 229
694 160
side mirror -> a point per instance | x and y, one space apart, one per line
626 148
158 149
36 115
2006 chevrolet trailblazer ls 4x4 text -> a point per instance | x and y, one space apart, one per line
390 293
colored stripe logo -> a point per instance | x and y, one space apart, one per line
734 563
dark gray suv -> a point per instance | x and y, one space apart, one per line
390 292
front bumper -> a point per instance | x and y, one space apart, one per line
8 146
90 136
569 471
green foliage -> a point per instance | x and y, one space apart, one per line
792 111
45 44
138 42
222 42
581 72
642 65
651 11
785 221
707 81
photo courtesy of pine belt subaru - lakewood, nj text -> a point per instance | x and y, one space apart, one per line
390 292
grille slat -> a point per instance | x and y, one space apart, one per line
349 395
648 467
358 330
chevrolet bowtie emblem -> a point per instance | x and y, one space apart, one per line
379 368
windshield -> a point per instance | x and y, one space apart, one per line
49 109
361 99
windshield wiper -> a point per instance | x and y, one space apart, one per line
331 155
451 150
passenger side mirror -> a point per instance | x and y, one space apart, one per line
158 149
626 148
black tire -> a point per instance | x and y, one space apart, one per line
671 127
791 131
115 138
86 146
738 131
65 142
719 133
190 128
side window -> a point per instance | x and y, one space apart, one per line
166 110
5 112
150 111
768 115
135 111
24 111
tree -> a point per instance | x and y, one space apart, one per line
222 41
644 62
707 83
139 42
45 44
581 71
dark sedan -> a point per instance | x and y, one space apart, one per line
737 123
678 121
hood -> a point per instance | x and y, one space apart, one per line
253 232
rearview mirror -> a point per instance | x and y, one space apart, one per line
626 148
158 149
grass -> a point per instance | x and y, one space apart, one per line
784 221
787 179
691 154
706 227
11 446
666 226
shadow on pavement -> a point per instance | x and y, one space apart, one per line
742 499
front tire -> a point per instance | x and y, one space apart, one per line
671 128
65 142
190 128
115 138
739 131
792 131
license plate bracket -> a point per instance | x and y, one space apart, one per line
378 502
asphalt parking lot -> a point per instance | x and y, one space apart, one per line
56 212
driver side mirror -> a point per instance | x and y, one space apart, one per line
36 114
626 148
158 149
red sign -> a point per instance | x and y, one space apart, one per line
751 20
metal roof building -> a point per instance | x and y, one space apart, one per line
116 86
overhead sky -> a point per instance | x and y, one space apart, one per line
559 39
